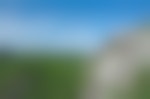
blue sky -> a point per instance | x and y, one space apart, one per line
70 24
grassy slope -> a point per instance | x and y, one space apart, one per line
40 77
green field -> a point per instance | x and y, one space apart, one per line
40 76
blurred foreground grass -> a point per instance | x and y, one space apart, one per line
40 76
54 76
